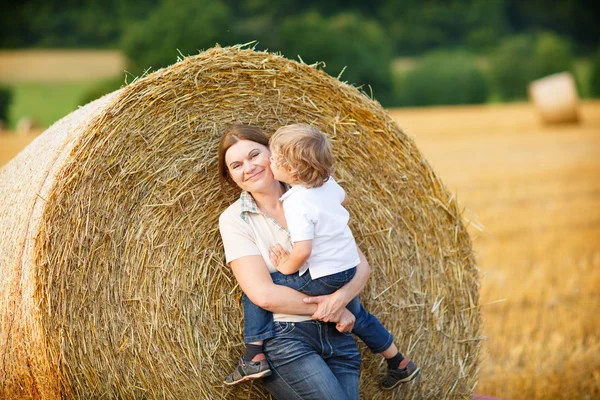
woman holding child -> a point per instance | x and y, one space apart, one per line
302 349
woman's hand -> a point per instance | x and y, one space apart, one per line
278 254
346 322
329 307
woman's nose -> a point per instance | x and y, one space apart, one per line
248 166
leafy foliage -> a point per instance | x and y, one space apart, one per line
416 26
68 23
355 42
521 59
574 20
444 78
5 100
175 26
413 26
595 75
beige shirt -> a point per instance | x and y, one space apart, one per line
247 231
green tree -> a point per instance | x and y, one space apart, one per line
595 74
551 54
521 59
416 26
512 67
68 23
344 40
576 20
185 26
443 77
5 100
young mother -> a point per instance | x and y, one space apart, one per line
309 357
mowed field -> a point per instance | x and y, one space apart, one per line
59 65
534 192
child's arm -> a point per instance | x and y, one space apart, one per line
289 264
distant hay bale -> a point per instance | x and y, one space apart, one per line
555 98
113 282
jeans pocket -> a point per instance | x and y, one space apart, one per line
283 328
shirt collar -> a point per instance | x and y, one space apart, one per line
289 192
248 205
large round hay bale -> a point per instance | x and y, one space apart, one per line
113 282
555 98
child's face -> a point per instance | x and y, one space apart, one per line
280 173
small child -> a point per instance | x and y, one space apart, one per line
323 246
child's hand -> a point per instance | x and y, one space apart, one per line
346 322
278 255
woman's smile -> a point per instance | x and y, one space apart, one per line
255 175
248 165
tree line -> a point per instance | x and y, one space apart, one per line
364 36
413 26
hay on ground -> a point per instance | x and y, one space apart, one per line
555 98
113 282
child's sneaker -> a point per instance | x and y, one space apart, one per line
406 372
248 370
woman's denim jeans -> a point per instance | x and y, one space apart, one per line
258 323
312 361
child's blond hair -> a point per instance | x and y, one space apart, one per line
305 152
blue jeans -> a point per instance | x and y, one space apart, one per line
258 323
312 361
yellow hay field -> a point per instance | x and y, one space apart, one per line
11 144
59 65
535 190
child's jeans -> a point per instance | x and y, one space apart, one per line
258 323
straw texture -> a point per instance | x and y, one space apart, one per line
113 283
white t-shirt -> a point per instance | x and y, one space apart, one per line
246 231
317 214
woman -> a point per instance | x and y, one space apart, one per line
310 358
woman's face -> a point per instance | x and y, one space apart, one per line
249 165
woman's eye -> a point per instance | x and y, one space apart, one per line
254 155
235 166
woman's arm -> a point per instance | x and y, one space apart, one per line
330 307
255 280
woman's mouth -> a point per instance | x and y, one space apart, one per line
255 176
